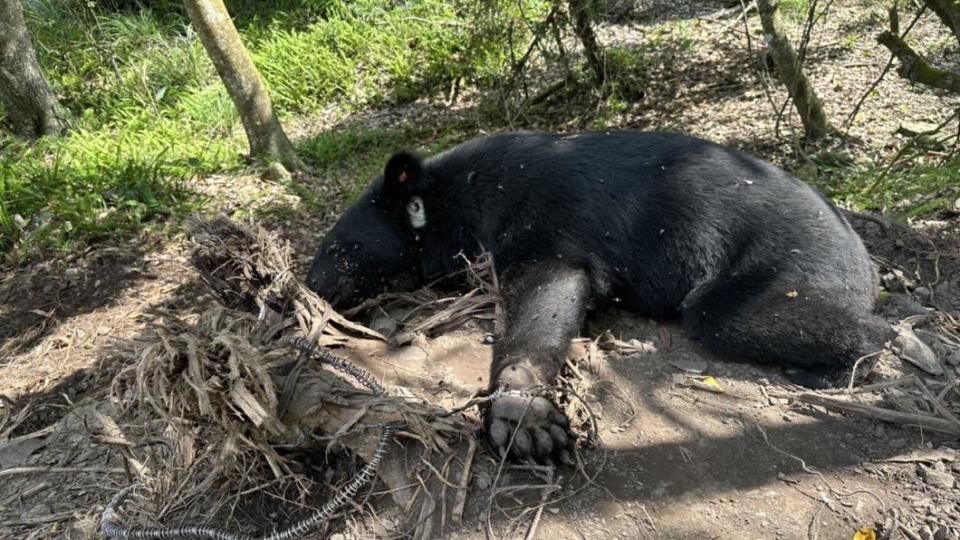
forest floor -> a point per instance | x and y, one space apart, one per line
747 460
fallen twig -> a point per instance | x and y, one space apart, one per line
532 530
879 413
460 498
39 470
902 381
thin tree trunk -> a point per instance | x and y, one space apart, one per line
582 18
222 42
804 98
29 103
949 13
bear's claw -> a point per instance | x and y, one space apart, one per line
527 427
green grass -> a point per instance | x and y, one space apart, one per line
908 192
148 114
794 9
351 158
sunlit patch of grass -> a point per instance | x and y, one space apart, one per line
794 9
60 193
147 111
918 191
348 160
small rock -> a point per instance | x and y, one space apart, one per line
385 325
922 293
912 129
909 347
275 172
690 365
891 282
937 478
943 533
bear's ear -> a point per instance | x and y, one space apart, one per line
404 174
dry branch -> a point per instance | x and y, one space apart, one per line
887 415
915 68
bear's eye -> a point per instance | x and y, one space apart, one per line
416 212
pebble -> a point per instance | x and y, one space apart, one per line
943 533
937 478
385 325
922 294
909 347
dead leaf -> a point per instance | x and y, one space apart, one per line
690 365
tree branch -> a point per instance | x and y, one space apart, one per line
915 68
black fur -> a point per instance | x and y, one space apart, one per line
758 265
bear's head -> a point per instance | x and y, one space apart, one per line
374 246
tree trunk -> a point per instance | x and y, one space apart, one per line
949 13
582 18
222 42
27 98
804 98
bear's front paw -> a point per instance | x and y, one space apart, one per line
528 427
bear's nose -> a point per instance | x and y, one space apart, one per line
317 281
343 292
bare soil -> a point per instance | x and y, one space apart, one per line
744 460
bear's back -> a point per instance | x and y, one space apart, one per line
660 209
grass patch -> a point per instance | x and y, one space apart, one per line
919 191
795 10
351 158
60 193
147 111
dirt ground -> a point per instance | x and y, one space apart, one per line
680 455
678 458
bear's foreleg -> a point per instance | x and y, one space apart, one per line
544 308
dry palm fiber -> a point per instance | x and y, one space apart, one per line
250 269
222 392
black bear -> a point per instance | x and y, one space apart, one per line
756 263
